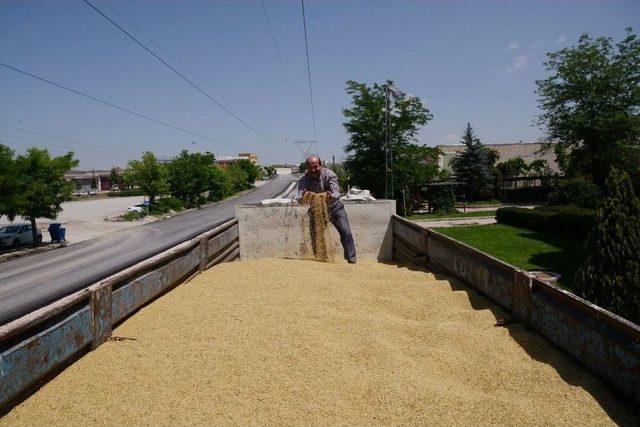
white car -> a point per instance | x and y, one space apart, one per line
140 207
18 234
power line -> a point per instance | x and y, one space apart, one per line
72 141
177 60
306 45
284 73
186 79
94 156
117 107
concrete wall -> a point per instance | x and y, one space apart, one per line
277 231
605 343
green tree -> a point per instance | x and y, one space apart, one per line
475 166
590 105
94 182
114 177
9 183
610 274
302 168
189 175
43 186
366 125
441 198
251 169
343 177
149 175
512 168
270 170
220 185
238 177
540 167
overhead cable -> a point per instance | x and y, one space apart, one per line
72 141
282 68
306 45
182 76
117 107
174 58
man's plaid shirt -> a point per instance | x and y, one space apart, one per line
328 181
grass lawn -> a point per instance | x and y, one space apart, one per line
456 214
527 249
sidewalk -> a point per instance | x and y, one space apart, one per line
456 222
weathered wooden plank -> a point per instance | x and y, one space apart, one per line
41 315
28 361
224 255
495 279
521 297
404 252
141 290
101 313
234 255
412 234
221 241
610 348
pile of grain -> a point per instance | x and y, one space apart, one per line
314 227
295 342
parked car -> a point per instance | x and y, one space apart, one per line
140 207
18 234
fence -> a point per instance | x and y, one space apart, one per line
607 344
42 342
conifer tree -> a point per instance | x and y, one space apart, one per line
474 165
610 274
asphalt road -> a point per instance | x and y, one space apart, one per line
33 281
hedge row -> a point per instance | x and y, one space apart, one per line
565 220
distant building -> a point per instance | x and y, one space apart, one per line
529 151
252 157
82 180
224 161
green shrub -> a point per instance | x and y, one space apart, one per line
575 192
610 274
166 204
127 193
566 220
441 199
133 216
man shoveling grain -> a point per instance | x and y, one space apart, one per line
319 179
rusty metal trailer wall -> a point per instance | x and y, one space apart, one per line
37 344
605 343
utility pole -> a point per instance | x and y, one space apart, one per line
389 187
306 147
387 148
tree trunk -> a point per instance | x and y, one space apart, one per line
34 232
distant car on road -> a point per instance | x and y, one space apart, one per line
140 207
18 234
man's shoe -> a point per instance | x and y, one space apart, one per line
351 262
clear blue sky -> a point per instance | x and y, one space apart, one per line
471 61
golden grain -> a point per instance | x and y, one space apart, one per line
274 342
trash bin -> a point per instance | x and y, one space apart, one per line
55 232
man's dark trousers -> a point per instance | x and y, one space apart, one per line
341 222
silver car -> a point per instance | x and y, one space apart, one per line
18 234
